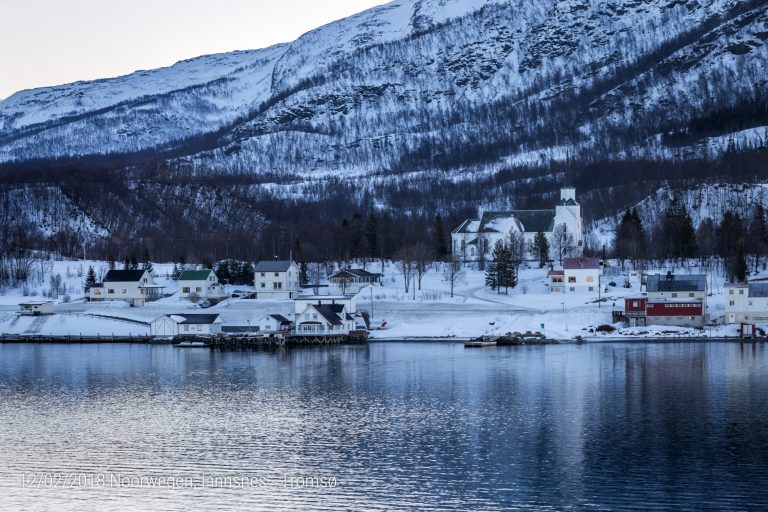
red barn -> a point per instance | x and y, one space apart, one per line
682 313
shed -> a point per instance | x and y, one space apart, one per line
36 308
172 325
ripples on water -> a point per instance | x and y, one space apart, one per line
399 426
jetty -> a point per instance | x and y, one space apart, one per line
213 341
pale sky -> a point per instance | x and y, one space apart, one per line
51 42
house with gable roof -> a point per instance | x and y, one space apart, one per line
136 287
276 279
325 319
200 284
746 303
477 237
186 324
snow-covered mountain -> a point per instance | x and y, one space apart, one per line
468 86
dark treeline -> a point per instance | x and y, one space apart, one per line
207 216
739 244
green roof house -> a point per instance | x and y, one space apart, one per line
197 285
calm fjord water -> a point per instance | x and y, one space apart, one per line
385 426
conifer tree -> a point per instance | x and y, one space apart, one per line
90 278
247 273
738 267
495 268
540 248
441 248
147 264
372 236
506 269
757 236
134 263
678 238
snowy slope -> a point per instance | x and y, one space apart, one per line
419 84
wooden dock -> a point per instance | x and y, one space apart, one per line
215 341
68 339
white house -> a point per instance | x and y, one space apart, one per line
135 287
200 284
277 279
36 308
475 237
325 319
577 275
181 324
677 286
274 323
746 303
302 302
352 280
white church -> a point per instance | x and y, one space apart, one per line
498 225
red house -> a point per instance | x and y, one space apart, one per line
677 312
634 307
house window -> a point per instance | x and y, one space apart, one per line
731 303
741 292
674 294
198 289
571 279
573 289
185 289
277 286
111 290
691 294
125 291
730 292
590 279
263 285
186 328
277 274
263 274
591 288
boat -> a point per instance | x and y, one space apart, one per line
194 344
161 340
485 341
194 341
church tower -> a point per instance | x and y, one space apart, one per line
568 212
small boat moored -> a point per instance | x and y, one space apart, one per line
193 344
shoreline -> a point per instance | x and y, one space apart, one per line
148 340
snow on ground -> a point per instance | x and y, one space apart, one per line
430 312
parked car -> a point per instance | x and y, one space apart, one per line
204 304
238 293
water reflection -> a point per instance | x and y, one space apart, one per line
399 425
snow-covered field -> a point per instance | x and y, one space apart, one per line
430 312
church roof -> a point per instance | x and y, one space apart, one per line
534 221
531 221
